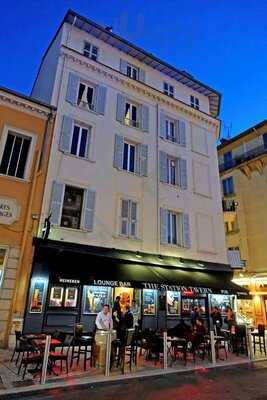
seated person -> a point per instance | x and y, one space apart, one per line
199 333
181 330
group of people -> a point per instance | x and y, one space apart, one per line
229 318
116 318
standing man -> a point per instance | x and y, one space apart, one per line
104 319
116 313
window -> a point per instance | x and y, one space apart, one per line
3 253
174 228
264 137
15 155
228 159
170 130
132 71
72 207
80 141
228 186
129 153
128 225
86 96
90 51
168 89
194 102
130 114
171 171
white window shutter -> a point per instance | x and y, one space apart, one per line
181 133
118 151
66 134
162 131
89 209
142 75
145 118
182 173
56 202
101 94
121 101
163 166
186 231
123 66
143 159
72 88
163 226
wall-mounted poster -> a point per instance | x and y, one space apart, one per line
126 295
37 298
173 303
221 301
71 294
56 296
95 297
149 302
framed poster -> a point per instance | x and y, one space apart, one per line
149 302
71 294
95 297
37 297
56 296
173 303
126 295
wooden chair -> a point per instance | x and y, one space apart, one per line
21 347
62 355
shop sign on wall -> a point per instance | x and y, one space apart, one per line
9 211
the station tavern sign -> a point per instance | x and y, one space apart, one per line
9 210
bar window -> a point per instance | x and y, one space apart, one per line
173 303
72 207
149 301
95 297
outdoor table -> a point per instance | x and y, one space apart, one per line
35 336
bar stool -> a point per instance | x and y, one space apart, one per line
85 344
260 335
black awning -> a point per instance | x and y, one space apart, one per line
79 263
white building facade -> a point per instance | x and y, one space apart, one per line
133 164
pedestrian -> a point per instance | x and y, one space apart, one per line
116 313
216 317
128 319
194 316
104 319
230 319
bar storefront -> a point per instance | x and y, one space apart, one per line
70 283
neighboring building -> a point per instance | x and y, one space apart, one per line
133 177
242 164
25 138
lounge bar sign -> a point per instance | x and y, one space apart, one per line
9 211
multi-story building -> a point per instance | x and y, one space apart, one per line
25 137
242 163
133 183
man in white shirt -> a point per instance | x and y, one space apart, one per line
104 319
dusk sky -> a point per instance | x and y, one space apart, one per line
221 43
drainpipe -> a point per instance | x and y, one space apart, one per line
25 232
157 177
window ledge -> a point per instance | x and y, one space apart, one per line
229 195
174 246
69 229
86 109
86 159
175 187
136 128
136 239
171 142
131 173
14 178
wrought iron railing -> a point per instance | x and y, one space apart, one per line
246 156
229 205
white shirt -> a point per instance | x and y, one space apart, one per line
104 321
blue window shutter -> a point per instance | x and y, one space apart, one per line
121 100
162 131
224 184
56 202
163 226
145 118
118 151
180 135
163 166
89 209
72 88
101 94
231 185
66 134
123 66
186 231
182 173
142 75
143 159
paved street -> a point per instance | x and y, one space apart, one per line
246 383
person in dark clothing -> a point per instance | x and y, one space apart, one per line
194 316
116 313
199 333
128 319
217 319
181 330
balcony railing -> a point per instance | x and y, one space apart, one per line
246 156
229 205
131 122
85 105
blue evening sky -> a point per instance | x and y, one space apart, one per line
222 43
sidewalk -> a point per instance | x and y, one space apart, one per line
11 385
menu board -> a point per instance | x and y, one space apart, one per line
71 294
56 296
37 298
95 297
173 303
126 295
221 301
149 302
